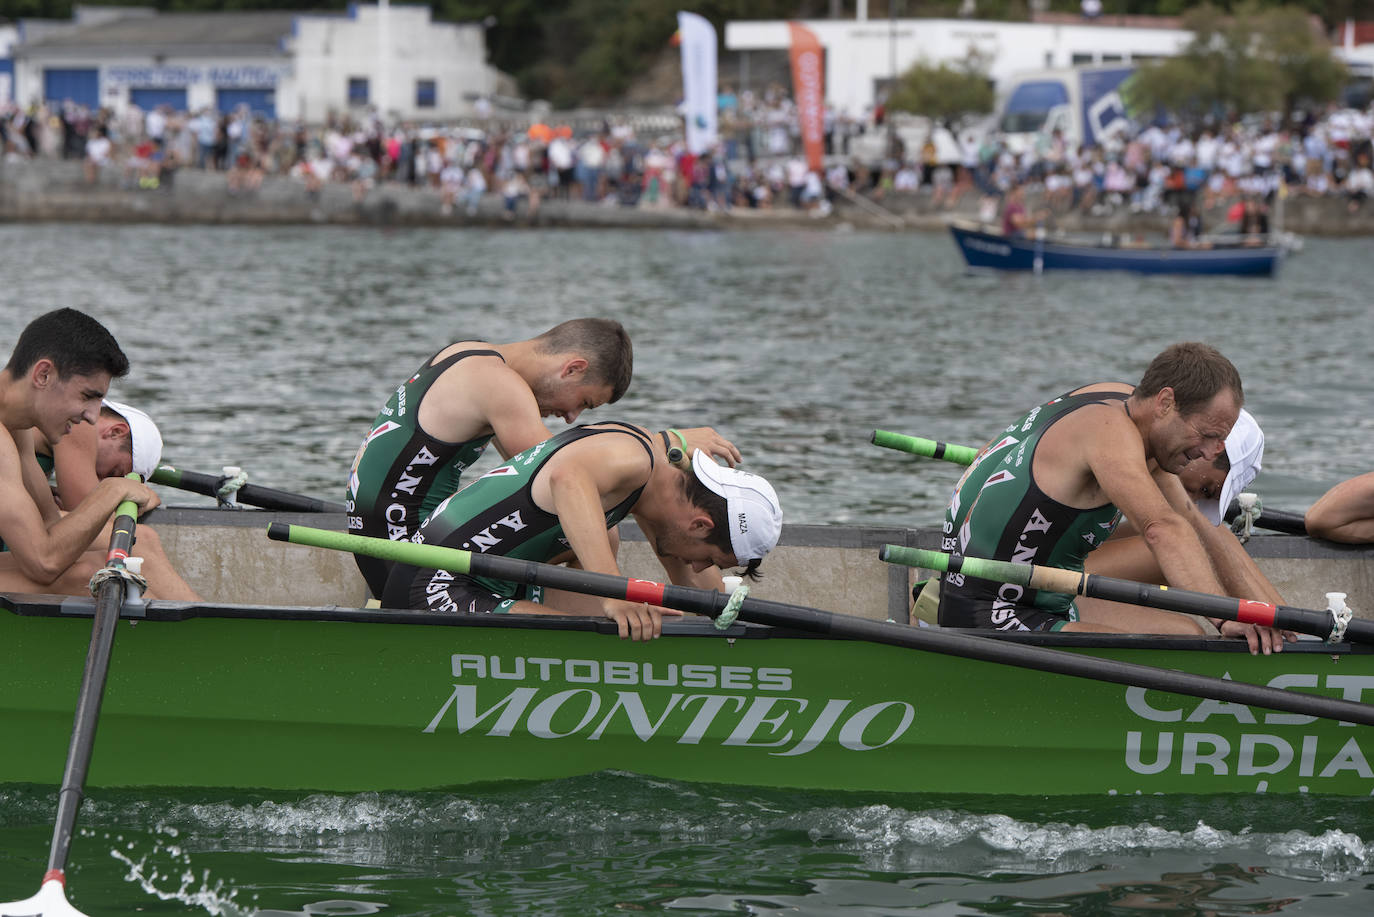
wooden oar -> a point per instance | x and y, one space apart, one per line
1276 520
251 494
1053 579
929 448
797 617
51 899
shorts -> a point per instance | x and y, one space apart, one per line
452 593
984 617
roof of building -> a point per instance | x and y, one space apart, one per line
173 29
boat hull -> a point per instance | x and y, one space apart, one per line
345 700
989 251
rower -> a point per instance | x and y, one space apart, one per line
55 381
440 420
123 439
558 501
1055 485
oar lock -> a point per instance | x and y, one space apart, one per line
1250 509
739 591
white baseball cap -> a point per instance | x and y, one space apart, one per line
1245 449
147 440
751 505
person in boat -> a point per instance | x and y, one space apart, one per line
1053 488
1345 512
472 393
1186 229
55 381
559 501
1017 221
1210 486
123 439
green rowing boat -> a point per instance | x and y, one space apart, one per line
328 697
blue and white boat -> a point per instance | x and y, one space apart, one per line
990 250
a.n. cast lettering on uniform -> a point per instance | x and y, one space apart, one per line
1026 545
1004 611
436 592
397 516
487 538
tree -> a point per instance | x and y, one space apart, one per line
943 92
1258 60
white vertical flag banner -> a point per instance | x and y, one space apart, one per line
698 42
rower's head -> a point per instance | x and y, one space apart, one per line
1194 396
732 518
126 440
69 359
588 362
1213 485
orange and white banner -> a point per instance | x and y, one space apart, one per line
808 88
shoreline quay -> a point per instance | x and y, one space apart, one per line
56 191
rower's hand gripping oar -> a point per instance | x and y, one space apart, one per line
797 617
212 485
1333 625
110 586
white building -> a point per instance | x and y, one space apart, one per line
286 65
9 36
863 55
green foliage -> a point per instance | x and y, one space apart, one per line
943 92
1255 60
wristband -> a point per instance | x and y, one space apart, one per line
676 456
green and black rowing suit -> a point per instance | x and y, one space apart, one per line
999 512
496 514
401 472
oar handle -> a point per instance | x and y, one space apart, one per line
814 620
250 494
949 452
1035 576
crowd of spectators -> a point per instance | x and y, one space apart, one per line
758 163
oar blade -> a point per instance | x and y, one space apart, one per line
51 901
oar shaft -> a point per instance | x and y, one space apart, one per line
250 494
814 620
1052 579
108 600
949 452
1275 520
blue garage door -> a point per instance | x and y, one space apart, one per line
263 102
82 86
148 99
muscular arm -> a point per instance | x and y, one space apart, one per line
480 395
74 457
1345 512
43 551
35 481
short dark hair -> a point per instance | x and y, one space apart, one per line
704 498
603 342
1196 372
77 345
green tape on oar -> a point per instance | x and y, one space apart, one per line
929 448
825 623
1329 625
428 556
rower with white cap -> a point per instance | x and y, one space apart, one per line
123 439
557 502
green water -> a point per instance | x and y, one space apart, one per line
272 348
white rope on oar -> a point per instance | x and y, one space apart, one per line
130 578
236 478
731 610
1250 510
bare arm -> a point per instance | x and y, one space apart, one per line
712 443
74 457
481 395
35 481
1345 512
44 551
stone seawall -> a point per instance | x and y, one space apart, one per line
56 191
